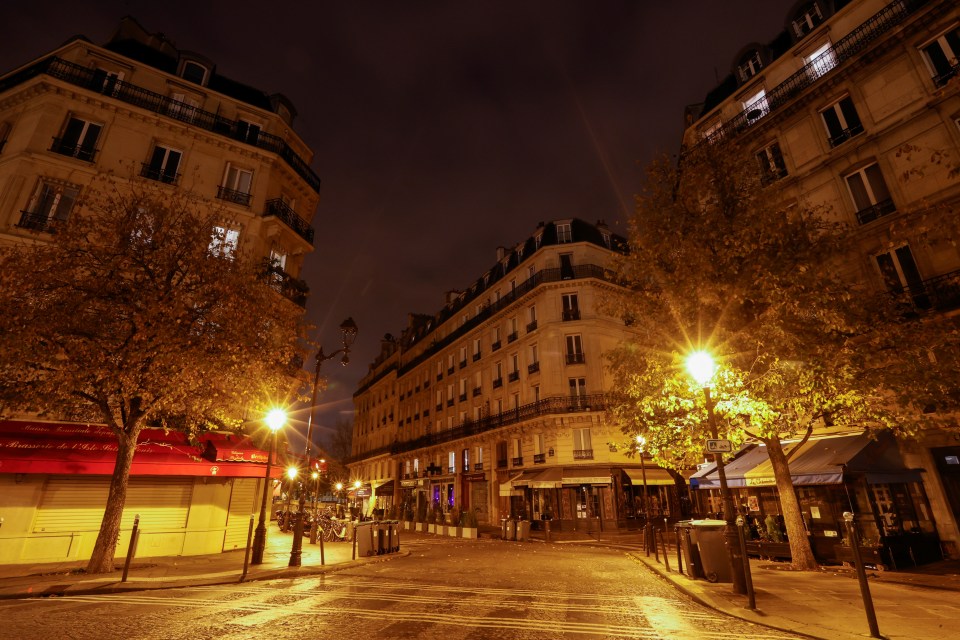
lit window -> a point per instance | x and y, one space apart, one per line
564 233
224 241
942 55
820 61
756 105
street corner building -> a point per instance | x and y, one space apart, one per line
496 403
143 112
848 108
139 109
192 498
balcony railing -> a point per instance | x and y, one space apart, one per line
450 402
495 346
478 466
234 196
940 293
531 326
847 47
463 397
940 79
846 134
90 79
159 174
583 454
516 462
78 151
477 391
513 376
539 458
280 209
476 356
575 358
38 222
512 337
439 406
533 367
497 383
878 210
293 289
571 314
463 364
502 464
450 371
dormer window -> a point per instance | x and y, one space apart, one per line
749 65
807 19
193 72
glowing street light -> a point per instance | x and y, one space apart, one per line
702 369
275 421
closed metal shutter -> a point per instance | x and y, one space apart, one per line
76 503
242 504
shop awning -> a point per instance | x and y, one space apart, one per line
551 478
69 448
586 475
655 476
818 461
231 447
507 489
385 488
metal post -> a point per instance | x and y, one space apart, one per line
546 524
323 560
246 552
747 575
134 534
260 538
647 527
354 544
729 514
676 531
666 556
296 552
854 536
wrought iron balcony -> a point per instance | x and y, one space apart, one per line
293 289
158 173
439 406
477 391
280 209
73 150
513 376
512 337
476 356
463 364
531 326
450 371
878 210
502 464
495 346
533 367
478 466
539 458
940 79
123 91
38 222
451 469
845 135
575 358
463 397
234 196
583 454
497 383
571 314
940 293
517 462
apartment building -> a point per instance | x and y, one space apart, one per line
855 107
141 110
496 402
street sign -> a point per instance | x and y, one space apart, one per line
719 446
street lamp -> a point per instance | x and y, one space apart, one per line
313 528
348 334
339 487
275 420
647 528
702 368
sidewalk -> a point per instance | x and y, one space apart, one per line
25 581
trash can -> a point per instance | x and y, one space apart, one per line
365 539
523 530
393 538
379 531
714 556
689 549
510 530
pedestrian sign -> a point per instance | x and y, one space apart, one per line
719 446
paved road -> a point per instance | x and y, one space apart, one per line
446 589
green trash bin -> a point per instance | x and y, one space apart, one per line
689 550
714 556
366 544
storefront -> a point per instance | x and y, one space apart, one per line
832 475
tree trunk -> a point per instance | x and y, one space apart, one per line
101 560
800 550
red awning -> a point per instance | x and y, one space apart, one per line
231 447
63 448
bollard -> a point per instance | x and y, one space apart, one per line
656 547
666 556
747 576
246 553
323 560
354 545
854 537
134 534
546 524
676 531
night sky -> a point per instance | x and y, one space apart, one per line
442 130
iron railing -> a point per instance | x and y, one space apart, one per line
539 458
159 174
516 462
37 222
940 293
234 196
280 209
533 367
160 104
882 208
570 314
78 151
575 358
293 289
513 376
531 326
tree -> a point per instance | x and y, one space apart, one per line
141 311
718 262
341 440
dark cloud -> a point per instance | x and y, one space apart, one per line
442 129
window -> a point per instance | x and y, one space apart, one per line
842 121
749 65
566 266
223 243
163 165
497 375
517 448
578 388
49 206
571 306
582 444
463 389
465 460
606 239
450 395
807 19
501 453
574 350
532 315
463 357
236 185
539 456
495 339
942 56
869 193
194 72
248 131
105 81
79 139
712 130
772 166
820 61
900 274
536 393
478 460
756 106
512 326
183 107
514 367
534 365
450 367
538 241
564 233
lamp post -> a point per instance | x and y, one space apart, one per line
313 528
356 499
275 420
641 442
702 368
339 487
348 333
